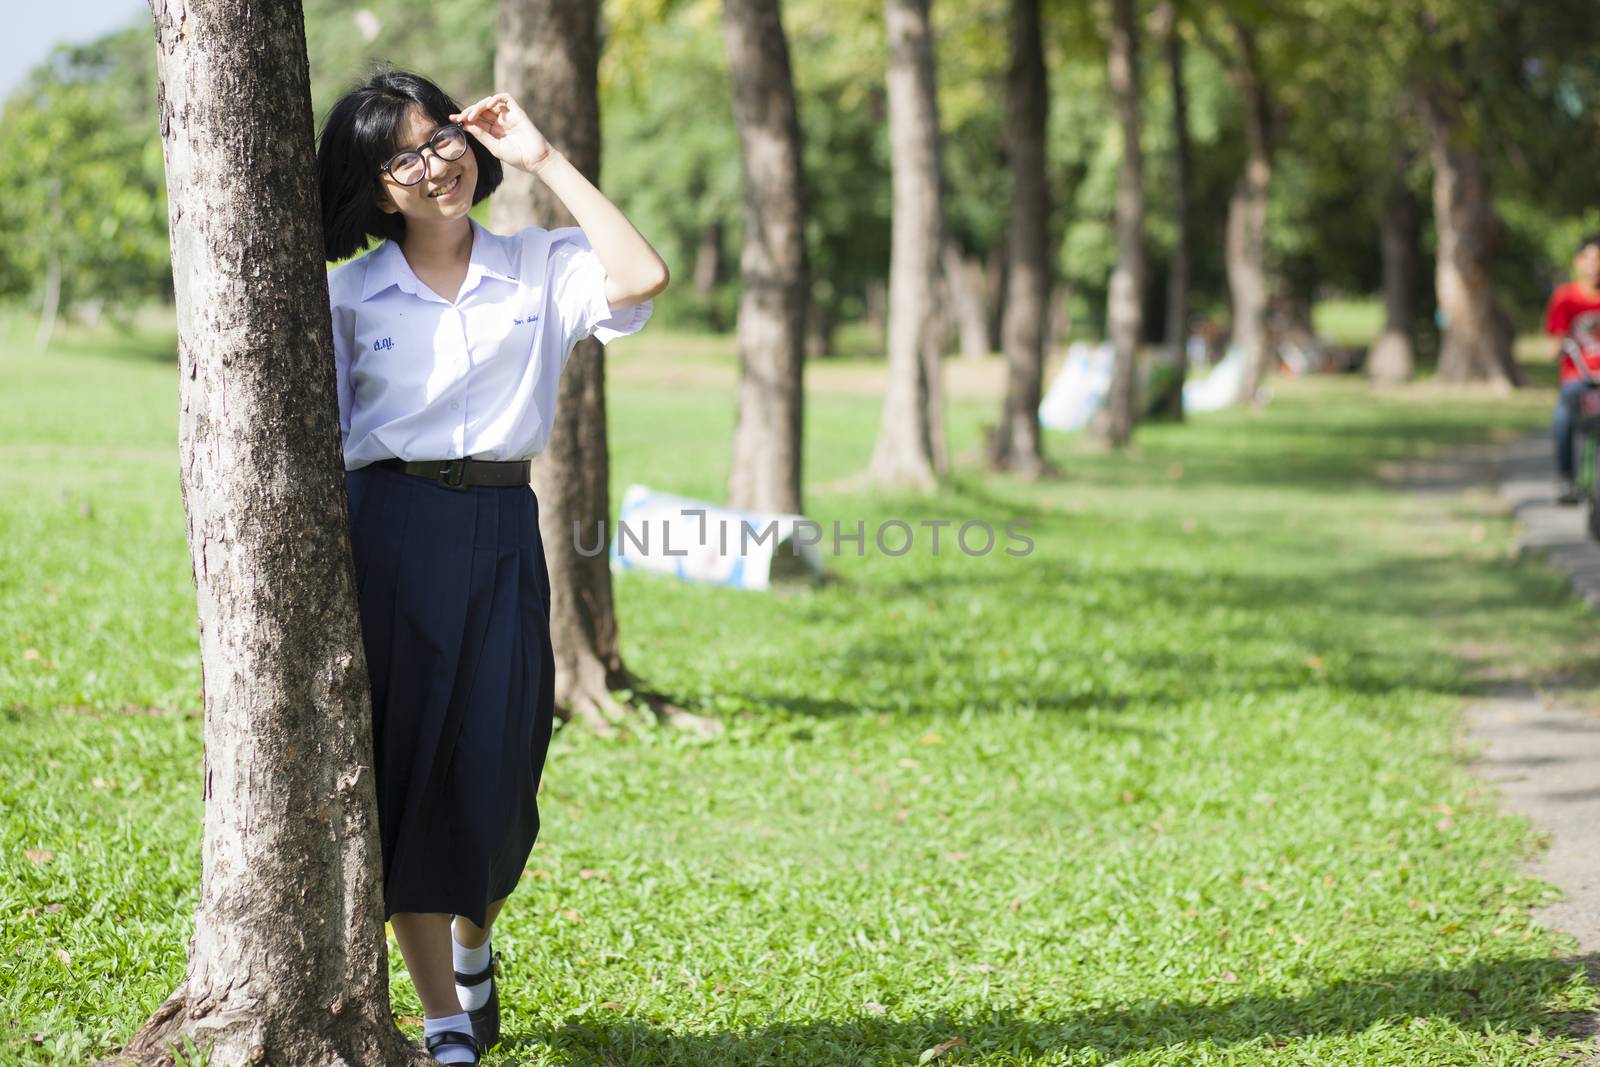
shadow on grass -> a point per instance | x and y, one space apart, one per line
1506 995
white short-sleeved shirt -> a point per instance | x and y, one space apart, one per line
422 378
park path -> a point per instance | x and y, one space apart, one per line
1537 747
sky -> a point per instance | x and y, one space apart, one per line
33 29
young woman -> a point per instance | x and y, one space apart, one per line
449 341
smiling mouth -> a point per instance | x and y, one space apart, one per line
447 190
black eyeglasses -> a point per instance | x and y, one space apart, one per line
449 142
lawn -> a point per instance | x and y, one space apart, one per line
1180 785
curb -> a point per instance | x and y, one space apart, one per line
1545 528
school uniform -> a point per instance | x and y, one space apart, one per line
452 583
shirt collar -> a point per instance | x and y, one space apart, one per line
490 259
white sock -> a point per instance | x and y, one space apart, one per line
452 1052
471 961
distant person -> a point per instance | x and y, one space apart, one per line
1574 314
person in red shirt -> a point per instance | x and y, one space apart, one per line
1574 312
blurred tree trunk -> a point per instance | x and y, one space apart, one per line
876 311
1247 220
1060 330
964 278
288 962
1016 444
907 451
1478 335
765 471
708 260
1112 425
546 56
820 323
1178 267
1393 356
994 291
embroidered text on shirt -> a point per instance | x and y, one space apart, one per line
383 343
530 318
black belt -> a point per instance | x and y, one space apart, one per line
460 473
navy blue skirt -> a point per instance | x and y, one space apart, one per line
455 618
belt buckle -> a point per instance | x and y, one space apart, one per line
453 474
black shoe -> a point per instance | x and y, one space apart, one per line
455 1037
486 1020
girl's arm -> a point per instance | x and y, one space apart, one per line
634 271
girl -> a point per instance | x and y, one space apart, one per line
449 341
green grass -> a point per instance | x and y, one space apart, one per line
1181 786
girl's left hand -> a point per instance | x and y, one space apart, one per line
501 126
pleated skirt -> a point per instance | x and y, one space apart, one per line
455 618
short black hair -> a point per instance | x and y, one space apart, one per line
1588 239
360 135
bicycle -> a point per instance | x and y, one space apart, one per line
1585 435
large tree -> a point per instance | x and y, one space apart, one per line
288 962
1016 444
1113 423
1249 279
1392 358
1178 267
547 56
765 471
910 445
1478 334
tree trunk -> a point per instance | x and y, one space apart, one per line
1113 424
546 57
1247 222
963 277
1017 444
994 290
288 963
765 472
1477 343
1178 268
907 451
1393 356
708 260
1060 329
876 311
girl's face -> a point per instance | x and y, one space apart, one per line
445 191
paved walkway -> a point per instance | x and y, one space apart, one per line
1539 750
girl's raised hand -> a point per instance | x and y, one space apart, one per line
501 126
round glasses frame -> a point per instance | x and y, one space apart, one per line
452 132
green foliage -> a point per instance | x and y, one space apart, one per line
82 170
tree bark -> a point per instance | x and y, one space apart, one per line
907 451
994 290
288 963
963 277
547 57
1478 335
1178 267
708 260
765 471
1112 425
1393 356
1247 221
1017 444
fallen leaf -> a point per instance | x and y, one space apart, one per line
1299 940
724 987
1127 797
571 915
30 653
872 1007
63 955
929 1055
53 908
38 855
588 872
930 739
955 856
1445 825
409 1020
611 1005
1225 978
907 761
1315 663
